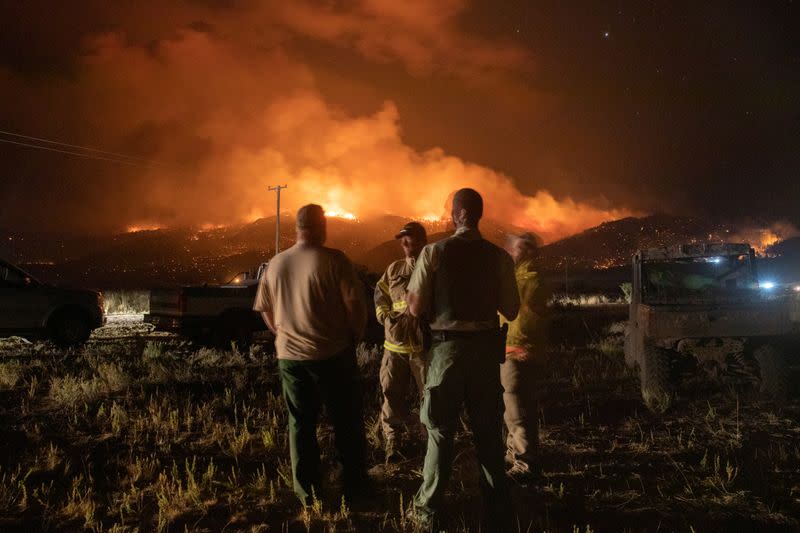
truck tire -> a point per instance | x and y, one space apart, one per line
69 327
655 379
236 329
774 369
242 338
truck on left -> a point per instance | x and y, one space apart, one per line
32 309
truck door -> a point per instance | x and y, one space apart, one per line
22 300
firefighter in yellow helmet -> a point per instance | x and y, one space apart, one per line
403 357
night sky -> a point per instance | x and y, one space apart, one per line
565 114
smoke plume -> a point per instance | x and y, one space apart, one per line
219 122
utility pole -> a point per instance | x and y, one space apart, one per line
277 190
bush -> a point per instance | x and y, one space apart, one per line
9 375
627 291
126 302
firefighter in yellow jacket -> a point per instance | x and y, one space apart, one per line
525 358
403 357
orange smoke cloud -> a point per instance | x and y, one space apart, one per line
236 123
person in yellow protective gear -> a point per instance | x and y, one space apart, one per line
525 346
403 357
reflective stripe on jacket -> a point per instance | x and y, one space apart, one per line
401 330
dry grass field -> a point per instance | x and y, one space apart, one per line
139 431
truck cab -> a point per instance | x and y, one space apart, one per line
705 301
215 314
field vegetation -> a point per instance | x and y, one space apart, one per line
144 432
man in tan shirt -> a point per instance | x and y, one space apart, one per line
311 298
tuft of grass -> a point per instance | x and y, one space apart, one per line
213 358
118 417
237 441
80 502
71 392
10 374
152 350
52 457
13 492
112 378
368 356
177 493
611 346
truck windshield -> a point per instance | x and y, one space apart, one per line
12 277
698 278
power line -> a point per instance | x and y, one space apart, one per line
78 154
87 148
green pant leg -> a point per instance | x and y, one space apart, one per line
441 404
341 391
302 404
419 368
484 405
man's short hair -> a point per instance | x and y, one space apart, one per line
470 201
310 216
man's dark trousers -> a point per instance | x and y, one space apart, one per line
465 371
307 385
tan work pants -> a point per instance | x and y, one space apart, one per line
519 379
396 374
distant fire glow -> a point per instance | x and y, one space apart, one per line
341 214
136 228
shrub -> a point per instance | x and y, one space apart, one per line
126 302
10 374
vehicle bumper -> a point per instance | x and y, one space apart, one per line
177 324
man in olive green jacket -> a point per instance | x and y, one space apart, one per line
459 285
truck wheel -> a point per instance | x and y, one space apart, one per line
655 378
242 337
69 328
774 370
233 333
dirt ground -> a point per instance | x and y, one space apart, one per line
144 431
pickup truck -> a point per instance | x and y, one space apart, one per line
213 314
33 309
